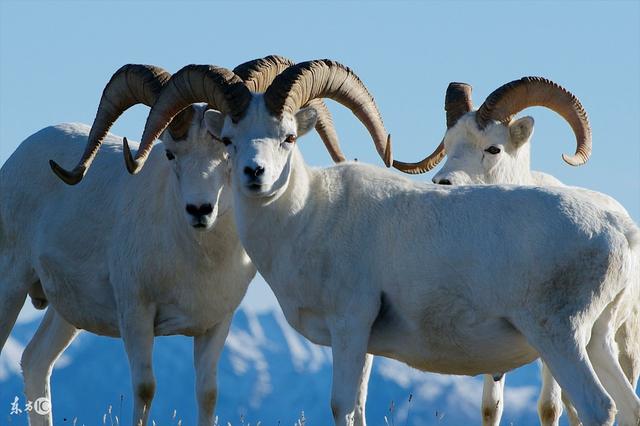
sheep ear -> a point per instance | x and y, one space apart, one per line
520 131
214 120
306 120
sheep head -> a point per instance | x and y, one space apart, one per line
258 75
261 136
489 145
198 165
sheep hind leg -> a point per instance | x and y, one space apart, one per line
492 400
565 354
550 401
628 340
51 339
572 414
603 353
14 286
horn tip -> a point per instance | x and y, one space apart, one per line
69 177
388 161
133 166
574 160
408 168
459 86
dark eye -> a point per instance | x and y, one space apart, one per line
226 141
493 150
290 138
170 155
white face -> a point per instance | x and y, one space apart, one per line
261 146
201 168
498 154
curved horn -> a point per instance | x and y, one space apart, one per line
260 73
513 97
457 102
301 83
423 165
326 130
130 85
219 87
258 76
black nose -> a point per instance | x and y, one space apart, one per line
203 210
444 182
254 173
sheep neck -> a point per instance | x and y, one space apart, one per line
268 226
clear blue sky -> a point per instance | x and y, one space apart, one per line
56 57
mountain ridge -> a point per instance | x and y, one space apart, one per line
268 373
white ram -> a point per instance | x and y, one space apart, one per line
120 256
127 257
116 256
366 261
498 152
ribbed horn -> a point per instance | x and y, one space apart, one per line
219 87
258 76
130 85
301 83
423 165
457 102
513 97
327 130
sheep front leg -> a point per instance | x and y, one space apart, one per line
137 331
349 348
492 400
361 400
206 353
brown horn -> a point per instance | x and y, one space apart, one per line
219 87
301 83
258 76
327 130
423 165
513 97
130 85
457 102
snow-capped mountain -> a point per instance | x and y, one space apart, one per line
267 373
